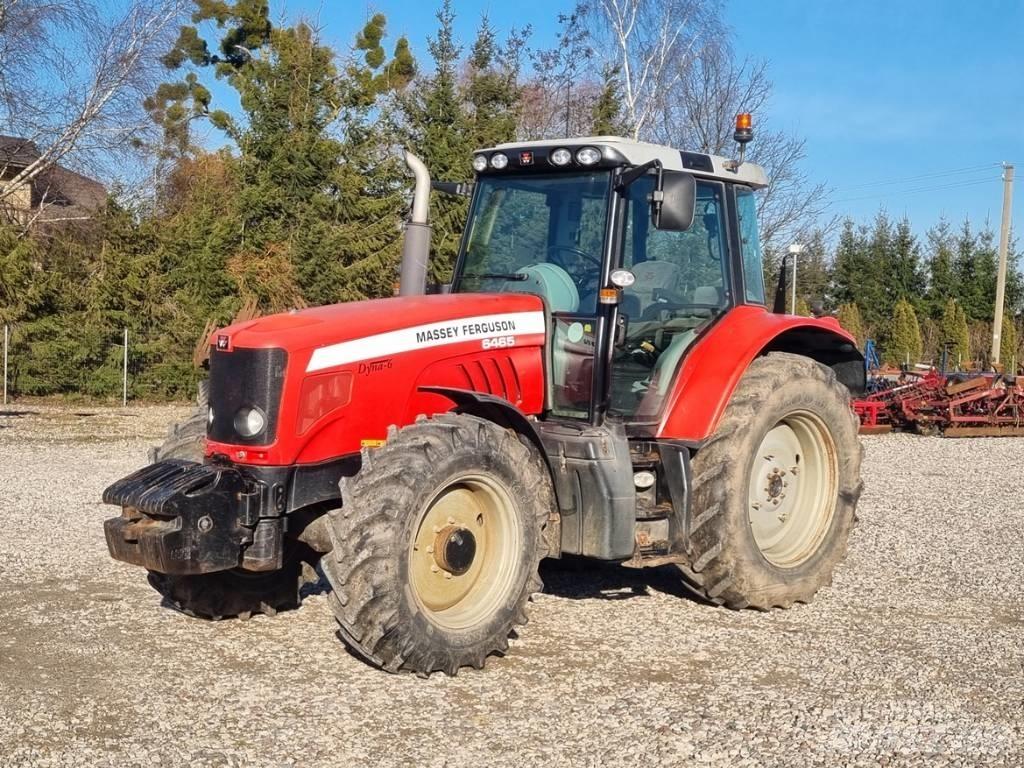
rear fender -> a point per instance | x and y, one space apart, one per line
714 366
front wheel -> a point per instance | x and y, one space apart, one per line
776 487
437 543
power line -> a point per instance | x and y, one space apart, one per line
917 191
920 177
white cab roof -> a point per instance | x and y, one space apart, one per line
640 152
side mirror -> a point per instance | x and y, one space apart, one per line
674 211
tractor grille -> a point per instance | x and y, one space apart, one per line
245 378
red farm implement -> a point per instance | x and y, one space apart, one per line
985 405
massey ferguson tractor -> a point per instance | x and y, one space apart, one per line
602 378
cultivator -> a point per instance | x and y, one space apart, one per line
984 405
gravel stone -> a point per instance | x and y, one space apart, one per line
914 657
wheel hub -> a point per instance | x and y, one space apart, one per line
454 549
792 489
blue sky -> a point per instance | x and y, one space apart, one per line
881 91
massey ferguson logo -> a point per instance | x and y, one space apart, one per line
222 342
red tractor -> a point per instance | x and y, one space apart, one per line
602 378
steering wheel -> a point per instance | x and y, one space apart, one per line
584 282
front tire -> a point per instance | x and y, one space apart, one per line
437 545
775 488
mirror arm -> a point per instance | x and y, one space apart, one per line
453 188
626 178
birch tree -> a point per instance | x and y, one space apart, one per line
73 74
652 44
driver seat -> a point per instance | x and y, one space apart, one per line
651 276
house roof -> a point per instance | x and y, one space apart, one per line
17 152
60 186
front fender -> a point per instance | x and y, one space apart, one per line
712 369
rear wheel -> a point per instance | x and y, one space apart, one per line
776 487
436 546
236 593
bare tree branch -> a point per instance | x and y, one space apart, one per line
80 97
652 43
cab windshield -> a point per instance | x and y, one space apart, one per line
538 234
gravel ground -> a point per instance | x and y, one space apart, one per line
914 657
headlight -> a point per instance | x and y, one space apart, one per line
499 161
561 157
209 414
480 163
588 156
249 422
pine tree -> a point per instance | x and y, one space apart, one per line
850 319
903 341
953 331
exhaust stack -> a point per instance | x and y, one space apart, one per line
416 245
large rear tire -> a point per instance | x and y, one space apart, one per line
236 593
775 488
437 544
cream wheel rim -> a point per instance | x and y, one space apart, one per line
793 489
464 552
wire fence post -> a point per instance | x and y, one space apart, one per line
124 382
6 339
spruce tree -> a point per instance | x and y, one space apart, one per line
906 278
491 89
942 282
953 331
607 118
903 342
437 122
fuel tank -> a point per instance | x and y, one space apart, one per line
330 380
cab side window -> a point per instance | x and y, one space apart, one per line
750 247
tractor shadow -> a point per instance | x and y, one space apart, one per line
577 578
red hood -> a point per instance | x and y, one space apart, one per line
307 329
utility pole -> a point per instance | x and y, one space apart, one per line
1004 247
794 250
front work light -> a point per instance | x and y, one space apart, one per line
249 422
480 163
561 156
588 156
499 161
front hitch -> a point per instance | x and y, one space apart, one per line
183 518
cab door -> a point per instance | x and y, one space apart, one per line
683 284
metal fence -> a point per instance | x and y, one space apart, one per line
124 367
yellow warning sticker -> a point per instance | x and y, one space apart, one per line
372 443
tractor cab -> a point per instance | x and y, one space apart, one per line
636 250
